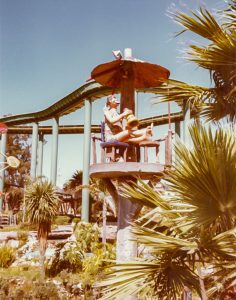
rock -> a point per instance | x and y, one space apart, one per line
13 243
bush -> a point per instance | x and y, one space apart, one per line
68 256
45 291
7 256
22 237
14 289
62 220
87 236
73 255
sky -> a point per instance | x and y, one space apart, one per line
48 49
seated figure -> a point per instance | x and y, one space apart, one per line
114 129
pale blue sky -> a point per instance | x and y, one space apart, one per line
49 47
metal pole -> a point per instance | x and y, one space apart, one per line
2 172
34 151
86 160
55 130
40 155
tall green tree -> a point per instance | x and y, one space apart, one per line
18 145
42 206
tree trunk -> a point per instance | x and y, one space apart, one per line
104 222
202 285
42 250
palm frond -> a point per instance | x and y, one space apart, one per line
218 57
41 203
205 176
205 25
167 277
163 242
182 92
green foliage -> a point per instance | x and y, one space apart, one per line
20 272
22 236
217 56
87 236
7 256
85 256
14 289
62 220
191 227
28 227
68 256
41 203
75 182
18 145
45 291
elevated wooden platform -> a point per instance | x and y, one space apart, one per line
126 169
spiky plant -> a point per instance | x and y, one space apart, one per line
42 206
218 56
76 181
191 227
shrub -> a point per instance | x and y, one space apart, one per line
68 256
14 289
7 256
22 237
87 236
62 220
45 291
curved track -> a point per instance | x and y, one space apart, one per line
74 101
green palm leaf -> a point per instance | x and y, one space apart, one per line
41 204
165 276
206 174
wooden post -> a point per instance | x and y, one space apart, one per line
168 149
127 86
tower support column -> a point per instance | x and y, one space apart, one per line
55 130
34 151
86 159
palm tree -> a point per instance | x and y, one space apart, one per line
42 206
98 191
191 228
75 182
218 56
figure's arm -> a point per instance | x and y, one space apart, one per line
114 119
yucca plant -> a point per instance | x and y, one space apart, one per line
42 206
190 229
218 56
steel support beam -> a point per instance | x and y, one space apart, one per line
55 129
40 156
86 160
34 151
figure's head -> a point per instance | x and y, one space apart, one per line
112 101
